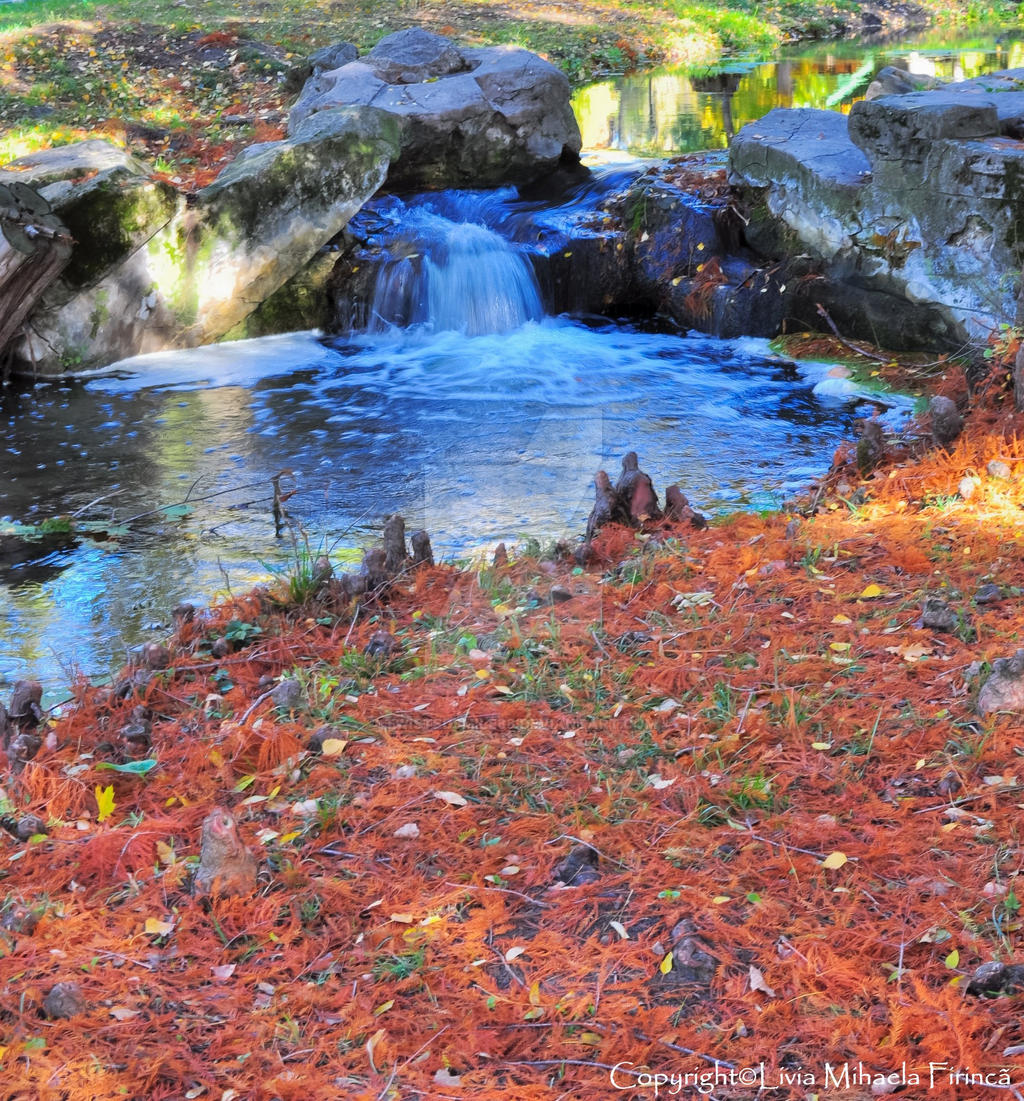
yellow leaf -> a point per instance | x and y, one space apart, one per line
333 747
821 745
872 591
104 802
841 619
290 836
666 964
502 609
159 928
535 993
953 959
719 900
165 852
482 674
383 1008
533 1014
371 1044
590 1038
405 919
834 860
839 647
216 758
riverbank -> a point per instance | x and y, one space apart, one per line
722 794
189 89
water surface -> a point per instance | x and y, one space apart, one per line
476 438
678 111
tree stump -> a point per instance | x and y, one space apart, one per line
34 249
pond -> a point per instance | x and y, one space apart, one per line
672 111
478 436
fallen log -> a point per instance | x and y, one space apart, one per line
34 249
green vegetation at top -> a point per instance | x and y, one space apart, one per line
186 84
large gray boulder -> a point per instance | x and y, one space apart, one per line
269 212
149 272
469 117
110 202
918 197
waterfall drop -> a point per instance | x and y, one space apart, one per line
454 276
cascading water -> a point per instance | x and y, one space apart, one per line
453 276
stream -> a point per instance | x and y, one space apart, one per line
460 404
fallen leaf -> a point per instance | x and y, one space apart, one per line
159 928
333 747
757 982
452 798
407 832
834 860
104 802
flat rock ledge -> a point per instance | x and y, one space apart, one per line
918 197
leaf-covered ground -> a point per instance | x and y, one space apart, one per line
188 86
729 801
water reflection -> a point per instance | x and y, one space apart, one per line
677 111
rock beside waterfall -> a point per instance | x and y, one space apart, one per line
470 117
150 271
915 199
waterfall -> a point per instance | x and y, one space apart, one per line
454 276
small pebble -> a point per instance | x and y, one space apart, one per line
989 593
64 1000
937 615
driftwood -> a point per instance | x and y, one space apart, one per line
34 249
